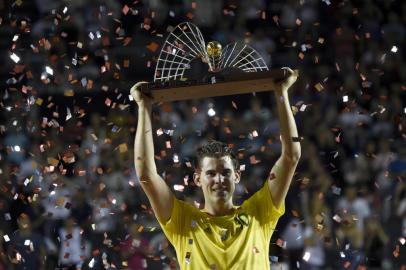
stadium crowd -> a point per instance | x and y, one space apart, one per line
69 195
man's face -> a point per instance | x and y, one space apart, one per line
217 178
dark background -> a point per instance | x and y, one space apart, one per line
67 138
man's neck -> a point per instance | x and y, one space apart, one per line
219 209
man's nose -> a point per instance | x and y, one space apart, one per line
219 178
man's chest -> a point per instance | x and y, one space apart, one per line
221 232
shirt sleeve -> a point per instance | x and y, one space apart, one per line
176 223
262 207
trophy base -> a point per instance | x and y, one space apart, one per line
224 83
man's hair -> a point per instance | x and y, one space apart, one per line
215 149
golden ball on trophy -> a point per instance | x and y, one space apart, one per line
213 49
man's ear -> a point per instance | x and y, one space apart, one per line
237 176
196 178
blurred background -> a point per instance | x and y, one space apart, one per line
69 195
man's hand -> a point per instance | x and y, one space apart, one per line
288 82
139 97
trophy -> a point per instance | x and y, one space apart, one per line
235 69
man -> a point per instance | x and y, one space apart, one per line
222 235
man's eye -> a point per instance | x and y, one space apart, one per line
226 173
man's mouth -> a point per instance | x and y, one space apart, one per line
220 191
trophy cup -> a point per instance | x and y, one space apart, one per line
235 69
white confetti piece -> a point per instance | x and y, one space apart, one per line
306 256
49 70
179 188
26 181
91 263
15 58
211 112
6 238
337 218
345 98
394 49
159 132
68 114
27 242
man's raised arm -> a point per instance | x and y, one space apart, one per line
159 194
282 172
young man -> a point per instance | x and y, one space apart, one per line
222 235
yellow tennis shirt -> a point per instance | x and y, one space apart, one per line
236 241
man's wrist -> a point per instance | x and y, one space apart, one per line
142 105
283 91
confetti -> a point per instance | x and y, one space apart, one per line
319 87
91 263
211 112
49 70
187 257
306 256
153 46
125 9
123 148
179 188
15 58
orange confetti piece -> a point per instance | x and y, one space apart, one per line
52 161
319 87
190 15
153 46
280 242
107 102
276 19
125 9
60 201
123 148
68 93
39 101
298 22
295 213
127 41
